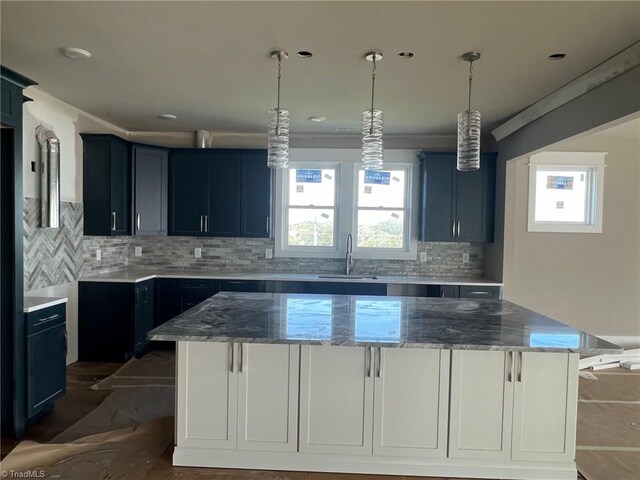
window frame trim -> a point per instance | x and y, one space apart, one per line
569 161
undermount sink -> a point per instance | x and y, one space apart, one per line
354 277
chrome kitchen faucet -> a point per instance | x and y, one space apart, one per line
349 257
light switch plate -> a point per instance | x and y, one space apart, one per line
138 251
198 252
98 254
423 257
465 258
268 253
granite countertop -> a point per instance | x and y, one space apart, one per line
369 321
138 275
33 304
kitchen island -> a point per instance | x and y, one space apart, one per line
387 385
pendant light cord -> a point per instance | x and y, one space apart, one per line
470 81
373 90
278 108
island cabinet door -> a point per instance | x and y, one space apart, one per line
268 397
411 402
481 404
544 408
336 400
207 396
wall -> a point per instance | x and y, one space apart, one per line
591 281
53 258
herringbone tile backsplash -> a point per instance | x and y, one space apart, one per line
52 256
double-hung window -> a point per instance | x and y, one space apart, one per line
325 194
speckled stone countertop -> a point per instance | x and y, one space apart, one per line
137 275
369 321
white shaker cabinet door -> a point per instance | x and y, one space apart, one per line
544 408
336 400
207 395
481 404
411 396
268 397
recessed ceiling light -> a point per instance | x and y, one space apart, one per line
405 55
305 54
167 116
75 53
557 56
317 119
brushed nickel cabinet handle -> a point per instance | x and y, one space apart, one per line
480 293
458 230
453 229
509 367
367 362
66 343
268 226
113 220
241 358
206 223
378 374
201 223
231 357
520 367
138 222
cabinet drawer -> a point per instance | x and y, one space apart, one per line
469 291
45 318
242 286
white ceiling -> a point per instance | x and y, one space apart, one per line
208 62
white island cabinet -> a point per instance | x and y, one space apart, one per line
377 385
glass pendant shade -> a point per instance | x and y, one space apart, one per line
278 155
468 140
372 149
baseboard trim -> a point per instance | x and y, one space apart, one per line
436 467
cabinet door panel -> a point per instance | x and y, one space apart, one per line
545 402
46 368
481 404
144 313
475 202
151 166
330 422
207 396
256 194
411 403
437 209
268 397
224 194
187 194
120 188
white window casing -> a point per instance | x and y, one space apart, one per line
589 164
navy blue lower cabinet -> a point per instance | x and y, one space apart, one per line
195 291
242 286
114 319
46 359
168 300
347 288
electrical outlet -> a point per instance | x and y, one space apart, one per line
98 254
465 258
268 253
198 252
138 252
423 257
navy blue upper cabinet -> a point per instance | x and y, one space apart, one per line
456 206
151 184
256 194
219 192
106 185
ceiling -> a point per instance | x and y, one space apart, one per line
209 63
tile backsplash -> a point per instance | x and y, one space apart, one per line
248 255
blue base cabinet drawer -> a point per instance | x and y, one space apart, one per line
488 292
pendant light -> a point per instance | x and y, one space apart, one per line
469 127
278 156
372 150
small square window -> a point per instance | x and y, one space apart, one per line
565 192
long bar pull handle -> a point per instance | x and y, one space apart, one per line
138 222
520 367
231 348
113 220
367 362
66 343
206 223
241 358
453 228
201 223
268 226
458 230
510 367
378 374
